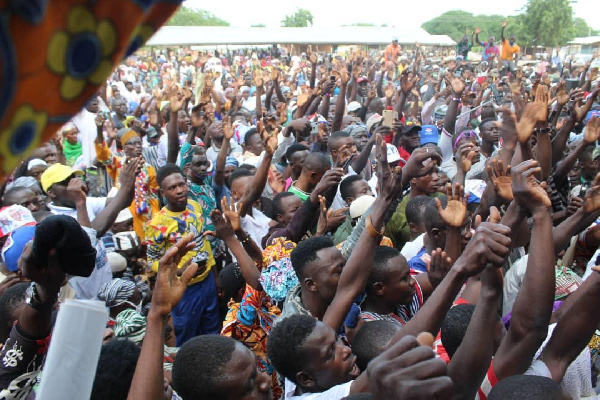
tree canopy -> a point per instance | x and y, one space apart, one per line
186 16
542 23
300 18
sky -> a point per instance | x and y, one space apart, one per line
409 14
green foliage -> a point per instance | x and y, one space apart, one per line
542 23
258 26
301 18
186 16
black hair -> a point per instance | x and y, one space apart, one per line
284 347
371 340
346 185
334 138
248 135
306 252
316 162
238 173
432 215
415 209
248 167
587 154
380 264
293 149
455 326
116 366
485 121
198 370
527 387
10 302
277 203
166 170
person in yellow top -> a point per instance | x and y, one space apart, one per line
145 201
198 312
509 49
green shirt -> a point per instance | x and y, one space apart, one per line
298 192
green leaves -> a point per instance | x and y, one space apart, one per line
186 16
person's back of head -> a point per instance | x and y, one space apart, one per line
455 326
116 366
432 217
415 213
284 347
198 370
315 163
371 340
527 387
306 252
11 303
335 139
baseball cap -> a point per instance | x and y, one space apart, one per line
392 153
373 119
151 132
57 173
360 205
12 249
354 106
361 80
429 134
410 128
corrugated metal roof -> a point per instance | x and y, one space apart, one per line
586 40
215 35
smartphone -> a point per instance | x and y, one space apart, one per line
388 118
347 162
332 77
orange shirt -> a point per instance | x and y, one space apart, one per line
392 52
508 51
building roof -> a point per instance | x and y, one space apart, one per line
350 35
586 40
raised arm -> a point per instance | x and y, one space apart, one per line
502 38
148 379
533 306
458 87
172 135
260 178
340 105
354 275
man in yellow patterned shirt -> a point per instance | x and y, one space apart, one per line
197 313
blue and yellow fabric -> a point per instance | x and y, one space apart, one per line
55 55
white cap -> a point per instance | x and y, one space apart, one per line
360 205
354 106
116 261
373 119
123 216
392 153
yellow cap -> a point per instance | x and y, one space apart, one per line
57 173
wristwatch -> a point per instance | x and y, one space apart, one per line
32 298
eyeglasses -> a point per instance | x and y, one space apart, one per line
463 135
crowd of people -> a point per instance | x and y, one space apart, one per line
278 225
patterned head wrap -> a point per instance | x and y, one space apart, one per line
278 277
131 325
116 292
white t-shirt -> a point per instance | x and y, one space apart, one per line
411 249
335 393
338 202
256 226
94 206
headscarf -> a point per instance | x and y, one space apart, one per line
131 325
28 182
278 277
127 136
36 162
116 292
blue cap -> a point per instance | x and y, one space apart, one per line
15 244
429 134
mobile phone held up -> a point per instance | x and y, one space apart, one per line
388 118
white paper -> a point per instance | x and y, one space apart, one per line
75 346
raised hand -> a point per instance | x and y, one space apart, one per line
231 211
527 191
500 178
282 113
416 167
455 213
504 24
329 220
390 89
275 180
169 289
302 98
592 130
562 98
458 86
591 202
223 228
467 154
130 171
407 82
541 97
174 99
438 267
227 128
330 179
100 118
532 114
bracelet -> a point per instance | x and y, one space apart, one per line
455 98
374 233
245 239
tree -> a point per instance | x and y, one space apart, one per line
186 16
258 26
548 22
301 18
456 24
581 28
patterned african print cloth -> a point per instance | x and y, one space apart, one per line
249 322
53 59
